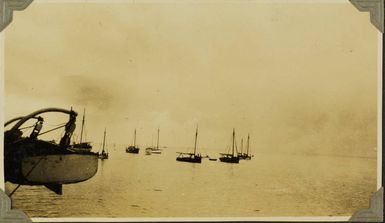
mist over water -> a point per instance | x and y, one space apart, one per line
270 184
307 98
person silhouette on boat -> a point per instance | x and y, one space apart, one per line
69 129
38 126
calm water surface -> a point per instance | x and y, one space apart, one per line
136 185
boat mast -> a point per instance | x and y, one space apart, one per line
196 136
241 145
104 139
232 153
248 142
81 131
157 142
134 137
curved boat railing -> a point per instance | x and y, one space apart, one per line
72 113
13 120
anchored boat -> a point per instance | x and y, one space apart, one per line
29 160
155 150
245 156
191 157
133 148
103 155
230 157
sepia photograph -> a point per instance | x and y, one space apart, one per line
191 109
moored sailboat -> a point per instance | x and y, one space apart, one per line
246 156
155 150
191 157
103 155
230 157
133 148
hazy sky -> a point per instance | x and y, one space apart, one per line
297 77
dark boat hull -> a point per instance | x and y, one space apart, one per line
244 156
132 149
196 159
233 159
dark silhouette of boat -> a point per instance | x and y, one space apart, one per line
230 157
29 160
103 155
133 148
191 157
245 156
82 146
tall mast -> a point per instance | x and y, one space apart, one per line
104 139
233 141
248 143
134 137
81 131
157 142
241 145
196 136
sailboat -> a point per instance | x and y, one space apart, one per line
155 150
133 148
103 155
230 157
246 155
191 157
82 146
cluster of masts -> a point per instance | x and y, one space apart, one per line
230 157
86 146
235 156
195 157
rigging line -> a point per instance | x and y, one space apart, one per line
51 130
27 127
29 172
55 124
